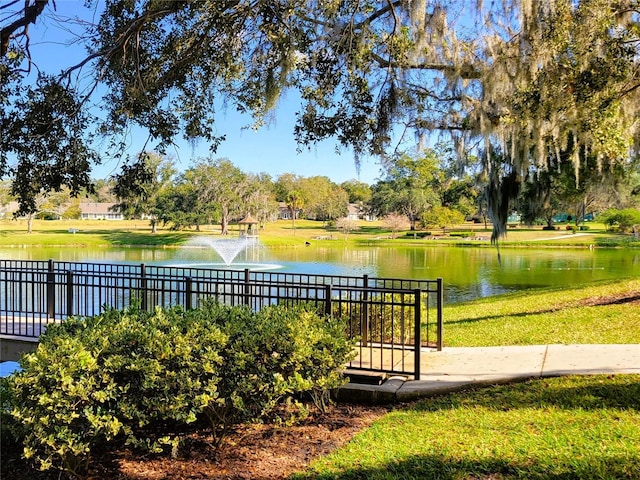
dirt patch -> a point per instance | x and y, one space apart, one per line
258 452
631 298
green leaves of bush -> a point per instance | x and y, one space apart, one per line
142 377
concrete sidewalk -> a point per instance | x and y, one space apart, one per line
455 369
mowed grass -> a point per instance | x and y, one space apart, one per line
560 428
596 313
284 233
575 427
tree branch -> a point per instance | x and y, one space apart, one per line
31 13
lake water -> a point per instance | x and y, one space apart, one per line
467 273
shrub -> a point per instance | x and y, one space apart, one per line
622 220
8 428
94 380
273 356
142 377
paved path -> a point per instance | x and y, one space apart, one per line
455 369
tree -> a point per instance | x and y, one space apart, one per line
140 185
323 199
261 200
395 223
295 202
219 184
410 187
533 80
359 192
347 225
442 217
623 220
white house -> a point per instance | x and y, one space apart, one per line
99 211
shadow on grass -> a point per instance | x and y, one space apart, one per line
594 393
144 238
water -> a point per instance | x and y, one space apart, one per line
467 272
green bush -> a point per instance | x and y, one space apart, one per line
142 377
621 220
94 380
272 356
8 430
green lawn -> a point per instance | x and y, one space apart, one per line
575 315
559 428
284 233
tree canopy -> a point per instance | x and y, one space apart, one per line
526 82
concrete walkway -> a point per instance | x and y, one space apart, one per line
455 369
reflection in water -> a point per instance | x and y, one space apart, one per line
468 273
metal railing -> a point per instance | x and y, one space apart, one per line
392 319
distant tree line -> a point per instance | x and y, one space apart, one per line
415 191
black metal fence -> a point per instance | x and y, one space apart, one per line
392 319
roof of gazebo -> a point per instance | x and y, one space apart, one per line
248 220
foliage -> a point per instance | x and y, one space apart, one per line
43 129
409 187
442 217
347 225
534 81
623 220
142 377
395 223
272 355
140 185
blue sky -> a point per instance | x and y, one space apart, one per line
271 149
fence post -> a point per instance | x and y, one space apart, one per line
247 288
328 292
440 304
417 302
188 293
69 293
51 291
364 319
143 287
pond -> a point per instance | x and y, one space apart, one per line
468 273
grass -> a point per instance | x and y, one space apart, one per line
574 315
560 428
573 427
283 234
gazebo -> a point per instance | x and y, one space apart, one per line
251 227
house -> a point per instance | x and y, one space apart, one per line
99 211
284 212
358 211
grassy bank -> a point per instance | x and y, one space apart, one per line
286 234
596 313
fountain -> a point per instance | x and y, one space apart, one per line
228 249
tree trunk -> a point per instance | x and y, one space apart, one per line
30 223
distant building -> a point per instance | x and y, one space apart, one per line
284 212
357 211
99 211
